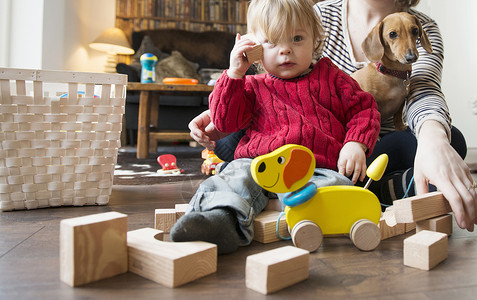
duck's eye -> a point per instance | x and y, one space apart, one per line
281 160
393 35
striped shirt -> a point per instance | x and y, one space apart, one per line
425 100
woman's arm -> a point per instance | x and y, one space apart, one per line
426 100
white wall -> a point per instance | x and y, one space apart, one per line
5 14
54 34
86 20
26 36
458 24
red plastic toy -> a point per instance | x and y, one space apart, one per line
168 163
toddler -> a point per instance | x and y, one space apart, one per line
299 100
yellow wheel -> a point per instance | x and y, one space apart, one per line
365 235
307 235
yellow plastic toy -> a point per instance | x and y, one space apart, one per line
210 162
312 212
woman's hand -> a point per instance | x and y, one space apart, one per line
352 160
203 131
238 61
438 163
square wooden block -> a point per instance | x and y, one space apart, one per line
425 249
255 54
440 224
93 247
273 270
164 219
265 227
181 210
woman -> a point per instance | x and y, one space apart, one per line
430 153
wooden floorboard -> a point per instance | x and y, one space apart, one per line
29 261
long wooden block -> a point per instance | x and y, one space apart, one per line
420 207
410 226
273 270
164 219
440 224
390 231
425 249
170 264
93 247
265 227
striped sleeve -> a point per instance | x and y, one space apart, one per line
426 100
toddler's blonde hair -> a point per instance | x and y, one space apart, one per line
278 19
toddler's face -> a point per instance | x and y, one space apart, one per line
289 58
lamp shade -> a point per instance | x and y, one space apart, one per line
112 40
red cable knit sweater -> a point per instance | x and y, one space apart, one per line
321 110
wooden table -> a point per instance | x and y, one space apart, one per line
149 110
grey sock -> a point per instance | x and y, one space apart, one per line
218 226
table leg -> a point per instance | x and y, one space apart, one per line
154 113
144 119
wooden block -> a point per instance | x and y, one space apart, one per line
274 204
165 219
420 207
170 264
255 54
425 249
265 227
409 226
180 210
390 231
389 217
93 247
273 270
440 224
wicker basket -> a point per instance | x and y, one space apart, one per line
59 137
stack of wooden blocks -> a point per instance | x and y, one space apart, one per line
428 247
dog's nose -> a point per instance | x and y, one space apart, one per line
410 57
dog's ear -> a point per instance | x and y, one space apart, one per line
297 167
372 45
426 44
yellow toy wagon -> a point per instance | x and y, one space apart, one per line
312 212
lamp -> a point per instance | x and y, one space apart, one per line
113 41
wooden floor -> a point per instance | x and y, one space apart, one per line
29 261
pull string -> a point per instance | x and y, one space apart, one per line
278 227
405 194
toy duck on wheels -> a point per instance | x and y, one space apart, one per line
312 212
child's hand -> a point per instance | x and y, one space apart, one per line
238 62
352 160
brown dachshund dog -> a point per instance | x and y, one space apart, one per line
391 50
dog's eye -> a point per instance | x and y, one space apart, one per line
281 160
415 31
262 167
393 35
